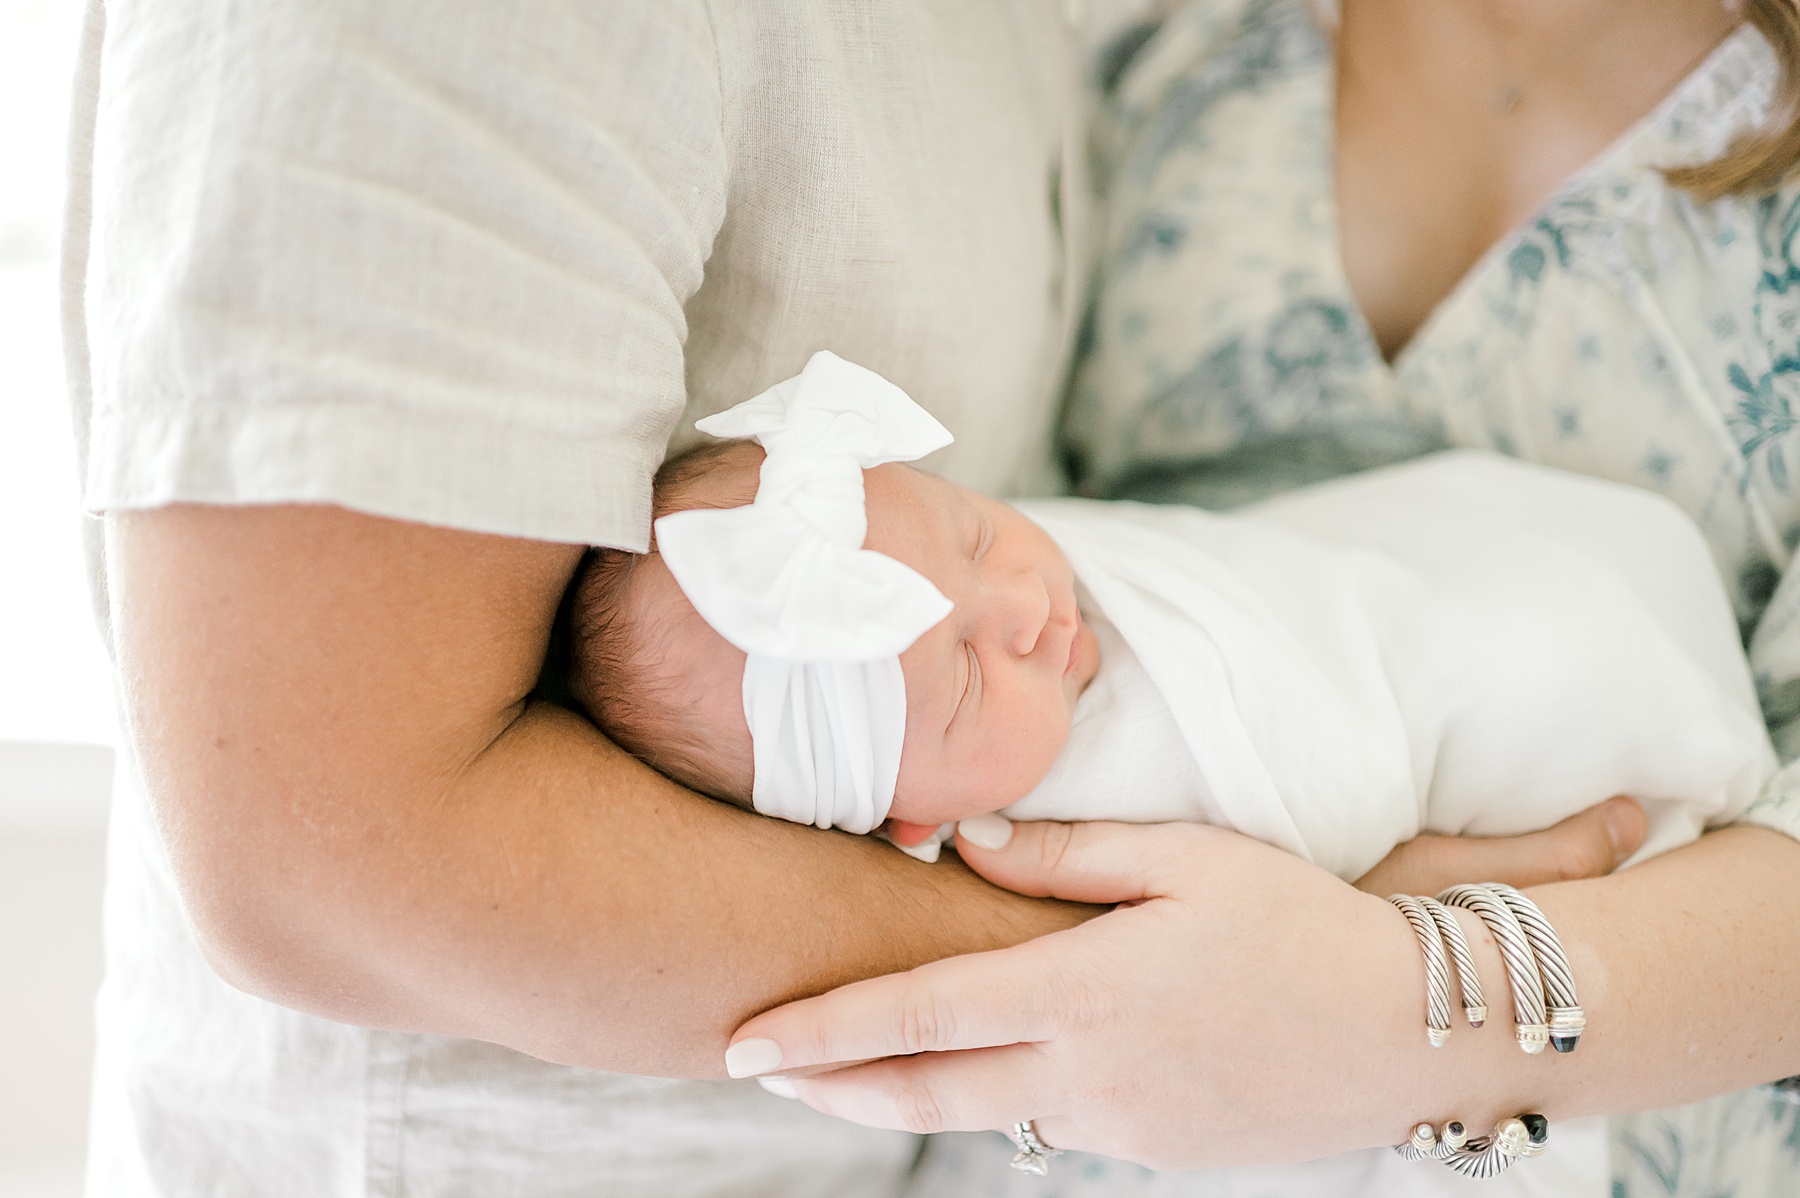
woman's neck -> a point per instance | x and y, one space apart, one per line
1458 119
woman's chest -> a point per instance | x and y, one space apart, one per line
1455 123
1623 331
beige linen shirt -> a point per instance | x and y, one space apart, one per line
472 265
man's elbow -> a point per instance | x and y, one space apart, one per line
270 934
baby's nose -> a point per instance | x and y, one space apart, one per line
1026 604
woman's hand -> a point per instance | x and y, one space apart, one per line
1117 1036
1241 991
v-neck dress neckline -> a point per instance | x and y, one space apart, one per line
1624 151
1625 330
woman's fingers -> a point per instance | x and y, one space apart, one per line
1586 845
1083 863
952 1091
1127 1033
985 1000
982 1000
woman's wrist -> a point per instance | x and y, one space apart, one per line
1687 974
1479 1076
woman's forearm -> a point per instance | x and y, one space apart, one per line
1689 967
369 821
1246 1007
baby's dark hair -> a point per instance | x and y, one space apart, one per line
616 644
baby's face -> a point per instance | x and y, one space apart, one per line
991 689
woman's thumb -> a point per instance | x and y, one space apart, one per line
1083 863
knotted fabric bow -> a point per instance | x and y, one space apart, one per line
822 620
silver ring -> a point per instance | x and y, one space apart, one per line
1034 1155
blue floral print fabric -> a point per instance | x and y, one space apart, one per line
1627 331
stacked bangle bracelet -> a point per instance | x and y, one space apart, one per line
1546 1010
1485 1156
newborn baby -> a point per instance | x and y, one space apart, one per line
988 674
1464 644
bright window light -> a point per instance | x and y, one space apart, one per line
55 683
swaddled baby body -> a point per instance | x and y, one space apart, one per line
1465 644
1462 644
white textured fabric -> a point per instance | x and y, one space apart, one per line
821 620
468 265
1465 644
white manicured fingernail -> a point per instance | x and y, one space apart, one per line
986 831
747 1058
777 1085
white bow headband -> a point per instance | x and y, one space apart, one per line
822 620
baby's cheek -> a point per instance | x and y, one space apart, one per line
1013 762
1036 743
950 780
930 789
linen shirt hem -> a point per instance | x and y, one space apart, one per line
477 476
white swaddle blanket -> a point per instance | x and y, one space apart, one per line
1463 644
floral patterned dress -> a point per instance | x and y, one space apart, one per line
1626 331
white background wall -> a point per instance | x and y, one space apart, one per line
56 714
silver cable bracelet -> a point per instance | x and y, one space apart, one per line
1485 1156
1437 968
1468 981
1566 1018
1545 1009
1531 1022
1437 930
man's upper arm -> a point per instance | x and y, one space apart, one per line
362 275
368 818
305 685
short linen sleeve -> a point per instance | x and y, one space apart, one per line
425 261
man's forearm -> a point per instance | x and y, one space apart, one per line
567 901
369 821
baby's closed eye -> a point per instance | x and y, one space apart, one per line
969 693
